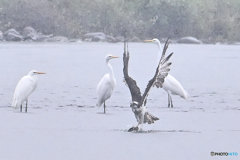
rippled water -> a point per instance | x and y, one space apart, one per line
63 123
208 72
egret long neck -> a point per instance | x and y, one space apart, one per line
110 69
159 52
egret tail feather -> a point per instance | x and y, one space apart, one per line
186 95
16 104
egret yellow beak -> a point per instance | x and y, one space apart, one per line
114 57
40 73
148 41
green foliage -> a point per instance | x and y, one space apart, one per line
209 20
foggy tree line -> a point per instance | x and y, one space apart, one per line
209 20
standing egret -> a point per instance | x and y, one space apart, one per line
106 85
170 85
24 88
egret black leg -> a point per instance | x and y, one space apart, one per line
170 104
171 100
26 106
104 107
21 108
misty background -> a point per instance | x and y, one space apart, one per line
208 20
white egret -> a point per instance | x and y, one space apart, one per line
106 85
24 88
170 85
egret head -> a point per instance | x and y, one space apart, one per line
109 56
155 40
34 72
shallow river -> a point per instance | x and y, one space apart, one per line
63 123
210 73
